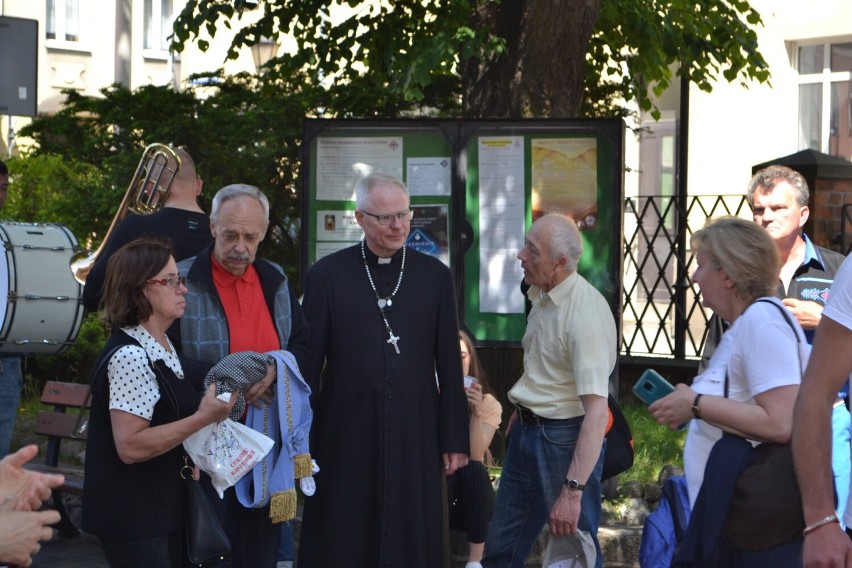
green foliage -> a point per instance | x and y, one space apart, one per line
639 46
48 188
403 46
243 132
655 445
407 48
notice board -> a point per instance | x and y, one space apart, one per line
476 186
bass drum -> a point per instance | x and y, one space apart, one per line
44 308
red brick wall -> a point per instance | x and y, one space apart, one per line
827 200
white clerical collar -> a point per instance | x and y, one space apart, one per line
385 260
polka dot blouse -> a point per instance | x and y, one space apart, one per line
132 383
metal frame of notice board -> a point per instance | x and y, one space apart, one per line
476 187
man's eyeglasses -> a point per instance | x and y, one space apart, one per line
387 218
171 281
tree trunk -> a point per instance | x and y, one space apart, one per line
542 71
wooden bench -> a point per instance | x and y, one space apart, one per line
58 425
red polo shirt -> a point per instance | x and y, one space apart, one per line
249 321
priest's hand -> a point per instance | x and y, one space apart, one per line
452 462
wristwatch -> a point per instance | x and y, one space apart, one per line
574 484
696 411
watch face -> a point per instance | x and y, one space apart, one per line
573 484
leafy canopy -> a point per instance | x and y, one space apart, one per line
408 47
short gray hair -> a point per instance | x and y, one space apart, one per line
237 190
565 239
366 185
766 179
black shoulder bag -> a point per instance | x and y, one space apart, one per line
766 508
619 454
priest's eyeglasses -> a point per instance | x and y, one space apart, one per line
172 281
387 218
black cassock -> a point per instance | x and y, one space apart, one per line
381 419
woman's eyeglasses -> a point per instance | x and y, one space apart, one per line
171 281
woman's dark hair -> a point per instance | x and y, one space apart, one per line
122 302
476 369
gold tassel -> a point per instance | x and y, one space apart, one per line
282 506
302 466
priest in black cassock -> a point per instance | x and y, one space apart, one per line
390 414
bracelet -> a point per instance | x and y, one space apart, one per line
821 523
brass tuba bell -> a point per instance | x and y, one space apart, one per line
146 194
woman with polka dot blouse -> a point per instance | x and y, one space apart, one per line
143 408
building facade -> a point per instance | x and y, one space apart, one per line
87 45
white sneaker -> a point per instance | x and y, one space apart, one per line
473 565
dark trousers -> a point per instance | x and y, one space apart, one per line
254 539
471 499
165 551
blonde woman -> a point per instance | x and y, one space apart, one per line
750 384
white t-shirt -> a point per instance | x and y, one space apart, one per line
839 308
759 352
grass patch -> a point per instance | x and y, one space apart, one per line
655 445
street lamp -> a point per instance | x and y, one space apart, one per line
262 51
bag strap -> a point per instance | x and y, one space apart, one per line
789 320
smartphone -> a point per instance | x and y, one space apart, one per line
651 387
469 381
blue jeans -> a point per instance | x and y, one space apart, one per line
11 382
534 470
841 462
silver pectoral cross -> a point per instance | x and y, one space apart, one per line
393 340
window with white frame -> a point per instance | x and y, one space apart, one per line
63 20
825 112
157 24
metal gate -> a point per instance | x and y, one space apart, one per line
662 314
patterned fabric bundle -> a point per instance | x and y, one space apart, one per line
236 372
287 421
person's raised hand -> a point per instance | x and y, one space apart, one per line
474 398
214 409
22 531
27 489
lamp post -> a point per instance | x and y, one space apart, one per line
262 51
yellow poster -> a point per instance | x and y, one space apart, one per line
564 178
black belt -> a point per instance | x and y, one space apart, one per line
527 416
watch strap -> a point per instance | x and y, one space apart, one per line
696 410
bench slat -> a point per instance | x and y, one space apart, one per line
67 394
60 424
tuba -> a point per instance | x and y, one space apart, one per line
146 194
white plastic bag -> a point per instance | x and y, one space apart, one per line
227 451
